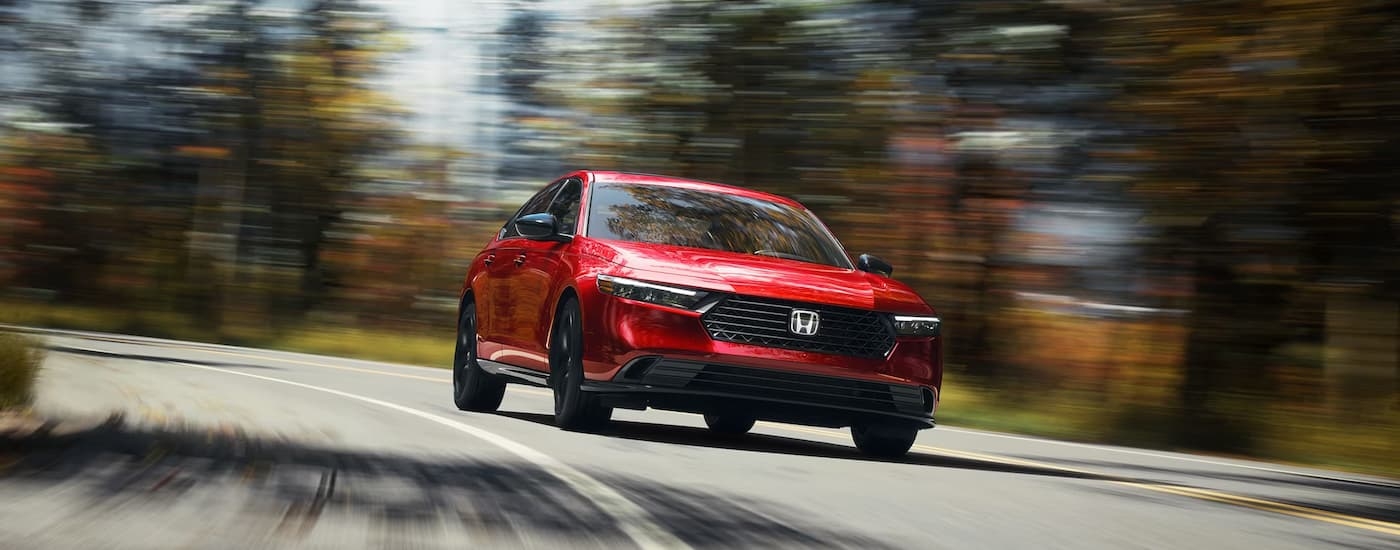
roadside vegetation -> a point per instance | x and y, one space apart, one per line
428 347
20 360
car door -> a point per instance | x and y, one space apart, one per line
538 265
495 298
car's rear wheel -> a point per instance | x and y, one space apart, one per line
883 441
729 423
473 389
574 409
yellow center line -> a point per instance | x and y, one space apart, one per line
1379 526
1294 510
1272 506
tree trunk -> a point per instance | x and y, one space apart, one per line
1234 327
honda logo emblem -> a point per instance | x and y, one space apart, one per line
804 322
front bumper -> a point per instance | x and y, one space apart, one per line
618 332
766 394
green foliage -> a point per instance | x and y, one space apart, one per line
20 360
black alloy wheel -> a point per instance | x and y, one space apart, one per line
473 389
574 409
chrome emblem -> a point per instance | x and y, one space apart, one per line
804 322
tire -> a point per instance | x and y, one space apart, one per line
473 389
574 409
883 441
728 423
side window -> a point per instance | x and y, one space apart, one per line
537 204
565 206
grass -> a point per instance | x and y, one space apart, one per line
20 361
412 349
973 406
1361 445
430 349
1306 437
145 323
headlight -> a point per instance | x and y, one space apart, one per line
633 289
913 325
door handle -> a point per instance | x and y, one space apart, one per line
489 260
520 259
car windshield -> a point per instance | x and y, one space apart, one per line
703 219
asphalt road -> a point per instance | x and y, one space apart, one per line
221 447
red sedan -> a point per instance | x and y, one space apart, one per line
642 291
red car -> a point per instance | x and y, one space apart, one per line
634 291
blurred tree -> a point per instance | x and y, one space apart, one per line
1254 179
765 94
319 117
525 60
51 140
253 119
391 250
523 55
1000 102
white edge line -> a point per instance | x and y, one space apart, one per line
631 519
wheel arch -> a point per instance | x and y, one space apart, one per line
468 295
566 292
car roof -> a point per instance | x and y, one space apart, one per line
672 181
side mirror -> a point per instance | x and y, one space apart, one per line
539 227
872 264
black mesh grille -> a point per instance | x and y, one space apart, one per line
764 322
790 387
795 387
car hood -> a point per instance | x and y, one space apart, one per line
757 276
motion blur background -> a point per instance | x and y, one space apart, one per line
1157 223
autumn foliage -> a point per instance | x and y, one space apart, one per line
1181 216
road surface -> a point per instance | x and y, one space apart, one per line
223 447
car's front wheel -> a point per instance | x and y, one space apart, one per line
473 389
883 441
574 409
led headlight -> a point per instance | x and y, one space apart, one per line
915 325
665 295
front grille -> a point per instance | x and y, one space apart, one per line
792 387
764 322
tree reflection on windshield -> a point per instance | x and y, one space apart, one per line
701 219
